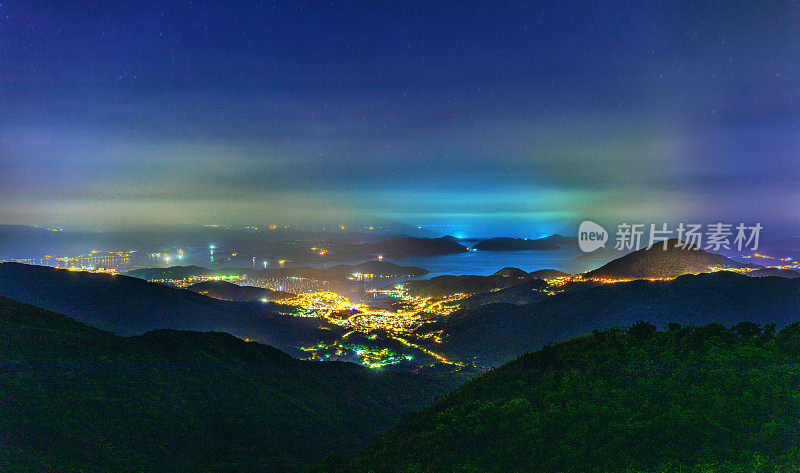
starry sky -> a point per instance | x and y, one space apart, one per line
512 118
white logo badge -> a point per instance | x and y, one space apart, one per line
591 236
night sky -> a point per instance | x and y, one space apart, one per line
513 118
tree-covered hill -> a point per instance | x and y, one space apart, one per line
527 292
443 286
692 399
77 399
172 272
496 333
233 292
131 306
676 259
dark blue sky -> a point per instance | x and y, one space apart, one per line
514 118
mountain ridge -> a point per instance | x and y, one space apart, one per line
657 262
79 399
131 306
689 399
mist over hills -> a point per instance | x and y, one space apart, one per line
373 202
23 241
28 242
301 410
526 318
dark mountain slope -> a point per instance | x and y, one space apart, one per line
130 306
527 292
173 272
549 274
694 400
442 286
511 273
656 262
495 334
74 398
233 292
